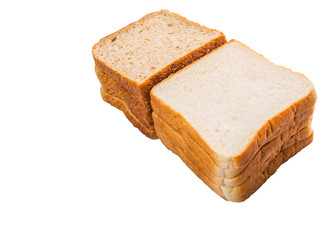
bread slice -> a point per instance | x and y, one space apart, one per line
226 108
232 100
145 52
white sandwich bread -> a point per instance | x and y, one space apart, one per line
234 117
132 60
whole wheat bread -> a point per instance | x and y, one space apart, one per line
147 51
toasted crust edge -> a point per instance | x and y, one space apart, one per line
121 105
140 111
245 190
273 125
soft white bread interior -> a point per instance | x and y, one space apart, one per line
231 94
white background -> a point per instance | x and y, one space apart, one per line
73 167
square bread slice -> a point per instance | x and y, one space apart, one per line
147 51
231 103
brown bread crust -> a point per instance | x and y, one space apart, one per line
245 190
140 111
121 105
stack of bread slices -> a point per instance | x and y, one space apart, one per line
231 115
132 60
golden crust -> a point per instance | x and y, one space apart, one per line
140 111
134 110
245 190
176 149
274 125
264 155
116 87
121 105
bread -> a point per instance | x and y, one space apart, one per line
267 152
132 60
245 189
223 168
113 93
225 108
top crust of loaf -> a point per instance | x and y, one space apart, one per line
150 49
204 85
